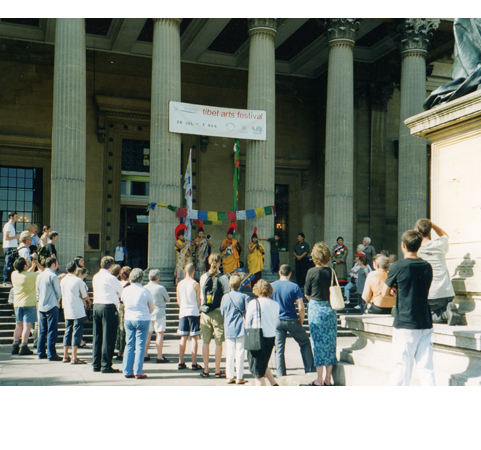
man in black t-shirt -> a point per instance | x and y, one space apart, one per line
410 280
50 247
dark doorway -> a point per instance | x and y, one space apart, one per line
134 231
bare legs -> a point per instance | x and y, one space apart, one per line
23 331
183 345
262 381
319 381
218 357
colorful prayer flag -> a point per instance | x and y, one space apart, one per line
259 212
192 214
231 216
267 210
274 210
202 215
172 208
241 215
181 212
222 216
162 204
217 222
212 216
250 214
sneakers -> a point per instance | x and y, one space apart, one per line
357 307
7 284
15 349
25 351
454 318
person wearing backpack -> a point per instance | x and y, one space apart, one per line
213 285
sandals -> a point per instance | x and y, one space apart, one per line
204 374
219 375
78 361
84 345
196 367
181 366
313 384
66 360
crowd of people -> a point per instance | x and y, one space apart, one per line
416 290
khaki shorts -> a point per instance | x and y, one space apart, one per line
212 324
158 325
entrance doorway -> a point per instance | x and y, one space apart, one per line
134 231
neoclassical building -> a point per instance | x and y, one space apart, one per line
85 143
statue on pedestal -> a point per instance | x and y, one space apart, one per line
467 64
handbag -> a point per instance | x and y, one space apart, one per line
335 295
254 337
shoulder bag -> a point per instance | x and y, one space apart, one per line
254 337
335 294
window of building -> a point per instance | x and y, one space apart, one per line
21 191
282 215
135 155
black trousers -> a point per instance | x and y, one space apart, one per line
106 322
302 267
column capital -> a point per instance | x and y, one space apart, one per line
268 26
178 21
415 35
342 29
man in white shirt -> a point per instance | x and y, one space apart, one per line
120 253
158 317
74 297
10 244
107 291
441 292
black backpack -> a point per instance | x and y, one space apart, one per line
213 293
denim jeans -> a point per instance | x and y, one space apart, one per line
297 331
347 289
75 327
7 268
274 262
136 336
47 332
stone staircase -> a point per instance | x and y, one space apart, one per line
7 318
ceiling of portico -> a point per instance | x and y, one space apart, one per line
301 44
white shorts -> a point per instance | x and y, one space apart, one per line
158 325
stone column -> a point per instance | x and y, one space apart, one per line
165 150
338 206
261 155
69 139
413 169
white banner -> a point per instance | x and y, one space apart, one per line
213 121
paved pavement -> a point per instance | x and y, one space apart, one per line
30 371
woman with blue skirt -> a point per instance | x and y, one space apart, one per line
322 318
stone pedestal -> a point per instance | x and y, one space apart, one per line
261 155
454 130
368 362
67 215
165 150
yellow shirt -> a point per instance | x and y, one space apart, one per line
255 260
24 288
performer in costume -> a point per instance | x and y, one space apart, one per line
255 258
230 249
202 252
338 259
183 255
